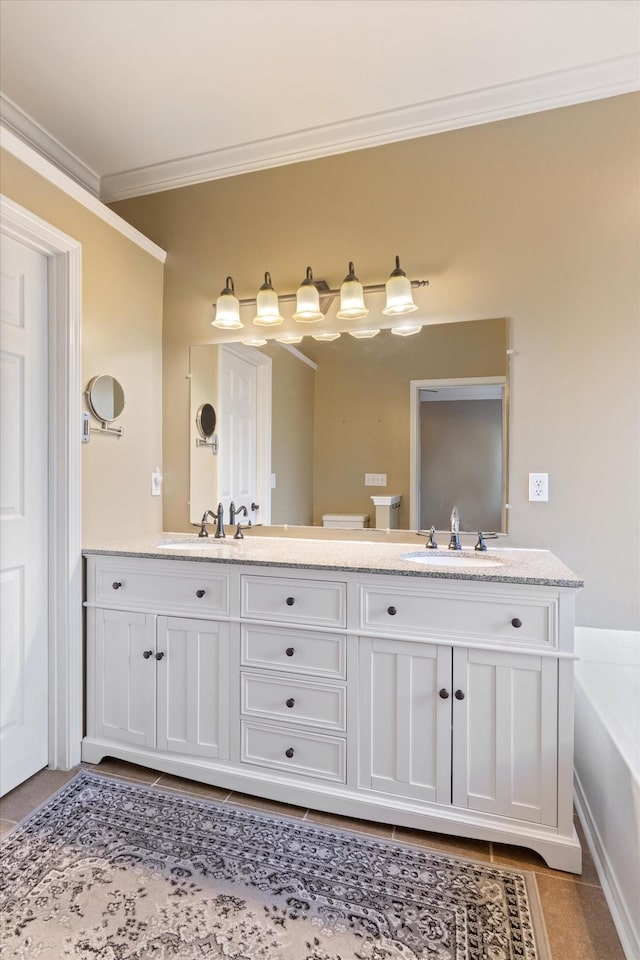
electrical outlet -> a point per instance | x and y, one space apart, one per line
539 486
375 479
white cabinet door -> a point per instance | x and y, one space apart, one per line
193 687
505 740
124 674
405 724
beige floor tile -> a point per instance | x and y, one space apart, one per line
5 826
120 768
169 782
456 846
579 925
267 806
21 801
350 823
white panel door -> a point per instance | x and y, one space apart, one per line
405 718
505 734
24 701
237 456
193 687
125 677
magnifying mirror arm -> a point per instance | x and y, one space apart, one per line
105 428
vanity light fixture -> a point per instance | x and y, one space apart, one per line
290 338
308 301
399 297
254 343
364 334
406 330
325 337
352 298
314 297
227 309
267 310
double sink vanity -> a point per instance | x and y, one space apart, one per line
424 688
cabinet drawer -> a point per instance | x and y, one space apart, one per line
320 705
296 651
294 601
405 612
301 754
162 586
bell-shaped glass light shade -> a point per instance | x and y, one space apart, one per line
227 309
308 301
352 298
289 338
267 311
364 334
325 337
406 330
399 296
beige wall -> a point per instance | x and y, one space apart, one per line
534 218
121 336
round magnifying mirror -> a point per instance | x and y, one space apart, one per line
206 421
105 397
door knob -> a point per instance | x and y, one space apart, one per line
391 611
289 752
116 584
200 593
290 601
459 695
290 702
160 655
516 623
289 651
147 653
444 694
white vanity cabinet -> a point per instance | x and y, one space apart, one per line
428 702
156 681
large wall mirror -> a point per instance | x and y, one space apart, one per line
426 414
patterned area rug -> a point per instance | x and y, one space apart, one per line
111 871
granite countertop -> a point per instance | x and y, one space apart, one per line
354 556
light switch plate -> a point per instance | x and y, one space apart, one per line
375 479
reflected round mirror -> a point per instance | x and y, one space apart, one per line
105 397
206 421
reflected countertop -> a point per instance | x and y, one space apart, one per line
497 565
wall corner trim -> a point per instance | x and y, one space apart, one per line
45 168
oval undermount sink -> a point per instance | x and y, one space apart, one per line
207 543
436 559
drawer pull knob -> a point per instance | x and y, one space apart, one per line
444 694
391 611
116 584
289 651
200 593
459 695
290 702
289 752
516 623
147 653
160 655
290 601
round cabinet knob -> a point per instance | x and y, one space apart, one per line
147 653
516 623
290 702
200 593
290 601
289 752
391 611
160 655
116 584
459 695
289 651
444 694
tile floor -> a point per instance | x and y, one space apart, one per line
578 921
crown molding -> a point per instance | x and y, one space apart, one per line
13 144
561 88
20 123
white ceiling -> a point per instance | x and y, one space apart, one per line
134 96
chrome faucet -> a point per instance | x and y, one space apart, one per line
219 518
454 542
203 523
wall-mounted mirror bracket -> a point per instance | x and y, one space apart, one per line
213 443
104 428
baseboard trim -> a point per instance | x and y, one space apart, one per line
621 918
